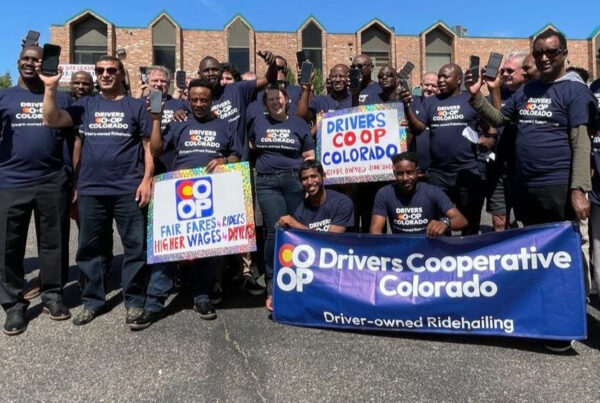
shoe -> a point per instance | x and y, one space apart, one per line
85 316
15 321
33 292
269 303
249 284
57 311
216 296
145 320
133 314
206 310
558 346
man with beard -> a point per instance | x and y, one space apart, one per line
33 174
552 159
368 87
114 180
413 207
322 210
453 164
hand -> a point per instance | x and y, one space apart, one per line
472 87
405 96
49 81
267 56
143 192
287 221
215 162
180 115
486 143
308 87
580 203
435 228
495 83
155 116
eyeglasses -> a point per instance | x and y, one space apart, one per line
110 70
508 71
550 53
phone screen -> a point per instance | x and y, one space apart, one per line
50 59
474 67
305 72
406 70
491 70
155 101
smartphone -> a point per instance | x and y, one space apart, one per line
143 73
493 65
305 73
50 59
155 101
474 67
31 38
355 77
300 57
180 79
404 84
406 70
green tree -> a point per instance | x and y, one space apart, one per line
290 77
318 83
5 80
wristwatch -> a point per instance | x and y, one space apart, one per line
446 221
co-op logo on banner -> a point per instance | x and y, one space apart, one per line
302 257
194 198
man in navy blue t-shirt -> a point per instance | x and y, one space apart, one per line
113 180
322 210
413 207
33 175
368 87
453 164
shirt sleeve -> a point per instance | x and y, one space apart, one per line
442 201
235 146
77 109
379 205
246 89
305 137
144 120
582 107
344 213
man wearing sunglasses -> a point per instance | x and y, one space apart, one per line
368 87
32 168
552 157
113 180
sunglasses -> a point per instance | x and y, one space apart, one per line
508 71
110 70
550 53
390 74
357 66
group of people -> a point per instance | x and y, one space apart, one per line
96 154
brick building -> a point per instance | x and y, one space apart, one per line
87 35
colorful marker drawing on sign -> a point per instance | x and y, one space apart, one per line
356 144
194 215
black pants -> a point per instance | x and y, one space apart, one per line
544 204
465 189
49 200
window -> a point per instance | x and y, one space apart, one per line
89 40
438 50
239 46
163 44
312 44
375 42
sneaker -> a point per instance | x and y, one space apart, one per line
145 320
216 296
206 310
57 311
15 322
85 316
558 346
269 303
133 313
34 291
249 284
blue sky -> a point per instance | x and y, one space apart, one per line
513 18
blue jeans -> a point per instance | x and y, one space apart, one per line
96 214
278 194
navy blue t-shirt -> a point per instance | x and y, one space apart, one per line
257 107
279 145
410 214
545 114
112 157
421 142
337 210
326 103
595 193
447 118
165 161
371 91
197 143
30 153
595 88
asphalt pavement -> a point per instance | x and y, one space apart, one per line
243 356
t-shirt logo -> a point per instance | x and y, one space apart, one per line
202 138
278 136
537 107
226 111
30 110
322 225
109 120
194 198
450 112
410 216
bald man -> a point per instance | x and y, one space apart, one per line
368 87
453 158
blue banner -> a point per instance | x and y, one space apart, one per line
524 283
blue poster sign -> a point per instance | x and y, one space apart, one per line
524 283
